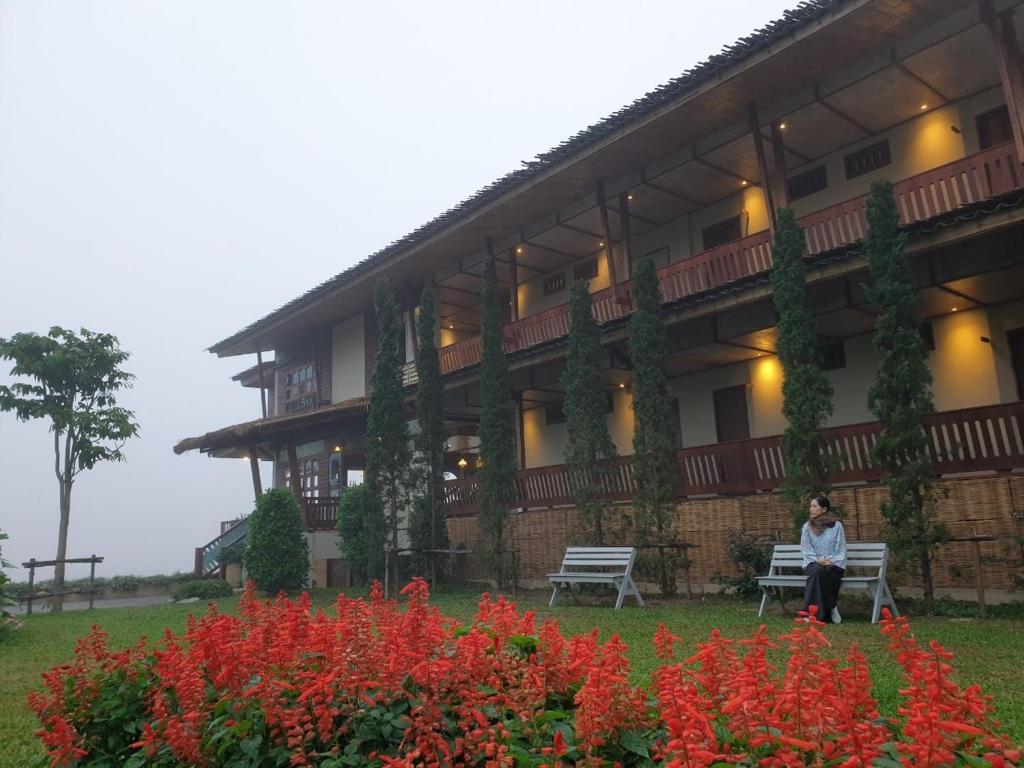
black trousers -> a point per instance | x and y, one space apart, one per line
822 589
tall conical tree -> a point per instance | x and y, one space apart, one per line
654 464
427 528
806 390
496 478
901 396
387 437
590 444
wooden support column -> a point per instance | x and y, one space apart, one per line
412 334
1011 72
762 163
513 282
254 465
520 430
263 392
624 229
779 158
293 469
606 231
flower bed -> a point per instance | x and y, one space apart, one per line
377 685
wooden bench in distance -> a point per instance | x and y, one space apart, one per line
869 559
598 565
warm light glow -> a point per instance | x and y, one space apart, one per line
337 449
479 462
451 327
744 183
622 386
782 126
924 107
601 244
519 249
629 196
463 463
954 309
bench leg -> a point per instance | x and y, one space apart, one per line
887 599
622 593
554 595
876 607
764 602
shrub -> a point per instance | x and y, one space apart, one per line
374 685
355 509
752 558
124 583
276 553
8 623
204 589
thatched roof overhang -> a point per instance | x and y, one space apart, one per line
276 429
815 41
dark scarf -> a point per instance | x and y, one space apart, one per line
820 523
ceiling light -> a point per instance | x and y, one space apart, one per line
629 196
451 327
601 244
924 107
782 126
954 309
519 249
621 385
744 183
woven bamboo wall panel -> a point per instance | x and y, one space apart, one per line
987 505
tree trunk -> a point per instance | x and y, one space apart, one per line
57 603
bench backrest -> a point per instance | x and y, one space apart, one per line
868 555
614 559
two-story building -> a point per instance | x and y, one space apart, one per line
805 113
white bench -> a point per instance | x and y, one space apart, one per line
871 558
598 565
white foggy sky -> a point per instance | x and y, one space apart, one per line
172 170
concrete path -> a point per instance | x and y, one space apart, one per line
80 605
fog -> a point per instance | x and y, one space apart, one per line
171 171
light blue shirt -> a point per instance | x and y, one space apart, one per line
830 544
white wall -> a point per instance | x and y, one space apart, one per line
348 360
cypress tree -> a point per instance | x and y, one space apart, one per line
806 390
428 530
496 478
900 396
387 437
590 445
276 553
654 465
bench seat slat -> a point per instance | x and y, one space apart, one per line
581 565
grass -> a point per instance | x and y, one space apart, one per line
987 650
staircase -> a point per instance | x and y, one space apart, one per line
208 557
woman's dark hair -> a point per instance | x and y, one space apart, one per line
823 502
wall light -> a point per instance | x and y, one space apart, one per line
954 129
338 448
985 340
462 463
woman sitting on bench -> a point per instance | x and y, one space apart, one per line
823 546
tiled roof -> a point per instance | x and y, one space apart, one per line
791 21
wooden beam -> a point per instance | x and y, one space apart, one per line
762 165
624 230
841 114
779 158
1011 74
263 392
513 283
254 465
609 250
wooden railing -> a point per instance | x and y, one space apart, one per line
940 190
988 438
321 512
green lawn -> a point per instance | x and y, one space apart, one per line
987 651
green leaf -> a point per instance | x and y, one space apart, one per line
633 742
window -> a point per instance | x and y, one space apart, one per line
994 127
554 283
868 159
721 233
585 271
309 478
807 183
299 392
833 354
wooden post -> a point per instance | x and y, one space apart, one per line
624 230
513 283
293 470
263 392
779 157
254 465
92 579
31 582
1011 73
762 163
197 567
602 206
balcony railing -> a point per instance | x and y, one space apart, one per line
989 438
940 190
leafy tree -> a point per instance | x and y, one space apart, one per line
75 378
387 436
355 515
7 621
654 465
428 530
586 404
496 484
276 552
901 396
806 390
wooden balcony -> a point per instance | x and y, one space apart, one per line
989 438
940 190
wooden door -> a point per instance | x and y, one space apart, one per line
731 420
